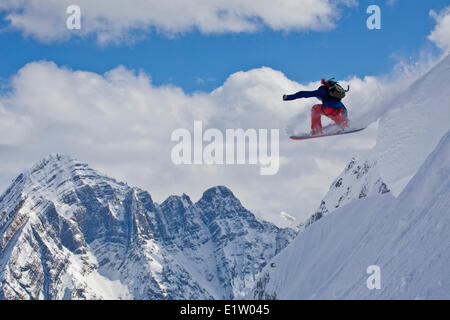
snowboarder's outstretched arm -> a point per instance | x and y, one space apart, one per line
319 93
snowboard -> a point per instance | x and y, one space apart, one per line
326 132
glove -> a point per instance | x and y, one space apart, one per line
284 97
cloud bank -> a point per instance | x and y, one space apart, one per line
117 21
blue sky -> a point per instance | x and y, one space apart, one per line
195 61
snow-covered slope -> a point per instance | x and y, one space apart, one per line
413 126
69 232
406 237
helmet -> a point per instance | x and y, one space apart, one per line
328 83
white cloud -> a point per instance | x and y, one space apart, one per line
116 21
441 33
121 123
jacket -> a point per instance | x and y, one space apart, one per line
321 94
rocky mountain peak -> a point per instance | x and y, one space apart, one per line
218 192
68 231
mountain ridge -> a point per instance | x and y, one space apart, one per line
68 231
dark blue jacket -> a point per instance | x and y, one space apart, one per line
322 94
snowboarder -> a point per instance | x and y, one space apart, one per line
331 94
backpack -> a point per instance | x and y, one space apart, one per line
335 90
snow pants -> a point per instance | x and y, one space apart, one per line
339 116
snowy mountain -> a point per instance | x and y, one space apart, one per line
69 232
404 236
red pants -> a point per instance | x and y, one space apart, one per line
334 114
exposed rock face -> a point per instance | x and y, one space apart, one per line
69 232
359 179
